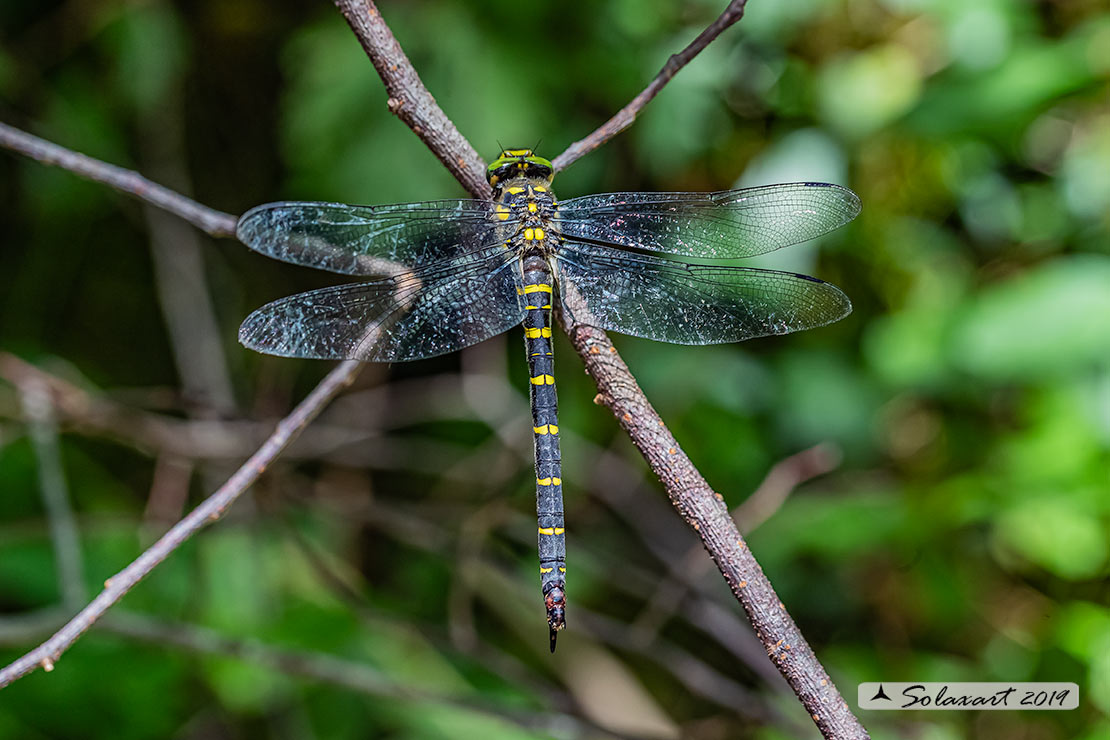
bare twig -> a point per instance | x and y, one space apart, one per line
410 101
626 115
179 268
324 668
210 510
784 477
204 218
55 493
92 413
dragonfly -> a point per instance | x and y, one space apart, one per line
447 274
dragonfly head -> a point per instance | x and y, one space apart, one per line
514 163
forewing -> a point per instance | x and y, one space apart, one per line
671 301
420 313
370 240
724 225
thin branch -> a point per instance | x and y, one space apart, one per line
152 433
786 475
46 654
626 115
179 266
216 223
324 668
410 101
55 493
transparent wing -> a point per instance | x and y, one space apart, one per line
421 313
725 225
671 301
370 240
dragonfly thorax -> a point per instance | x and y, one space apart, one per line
527 206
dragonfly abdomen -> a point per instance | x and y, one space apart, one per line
538 295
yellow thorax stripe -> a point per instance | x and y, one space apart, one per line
551 530
543 380
534 333
546 429
549 481
537 288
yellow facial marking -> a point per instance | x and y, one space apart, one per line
543 380
537 288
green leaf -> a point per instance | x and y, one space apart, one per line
1051 320
1056 534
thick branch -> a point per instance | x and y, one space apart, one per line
705 511
210 510
410 101
626 115
216 223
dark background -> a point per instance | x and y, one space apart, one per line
962 411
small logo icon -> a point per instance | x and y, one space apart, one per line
880 694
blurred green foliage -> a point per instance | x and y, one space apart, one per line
965 535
